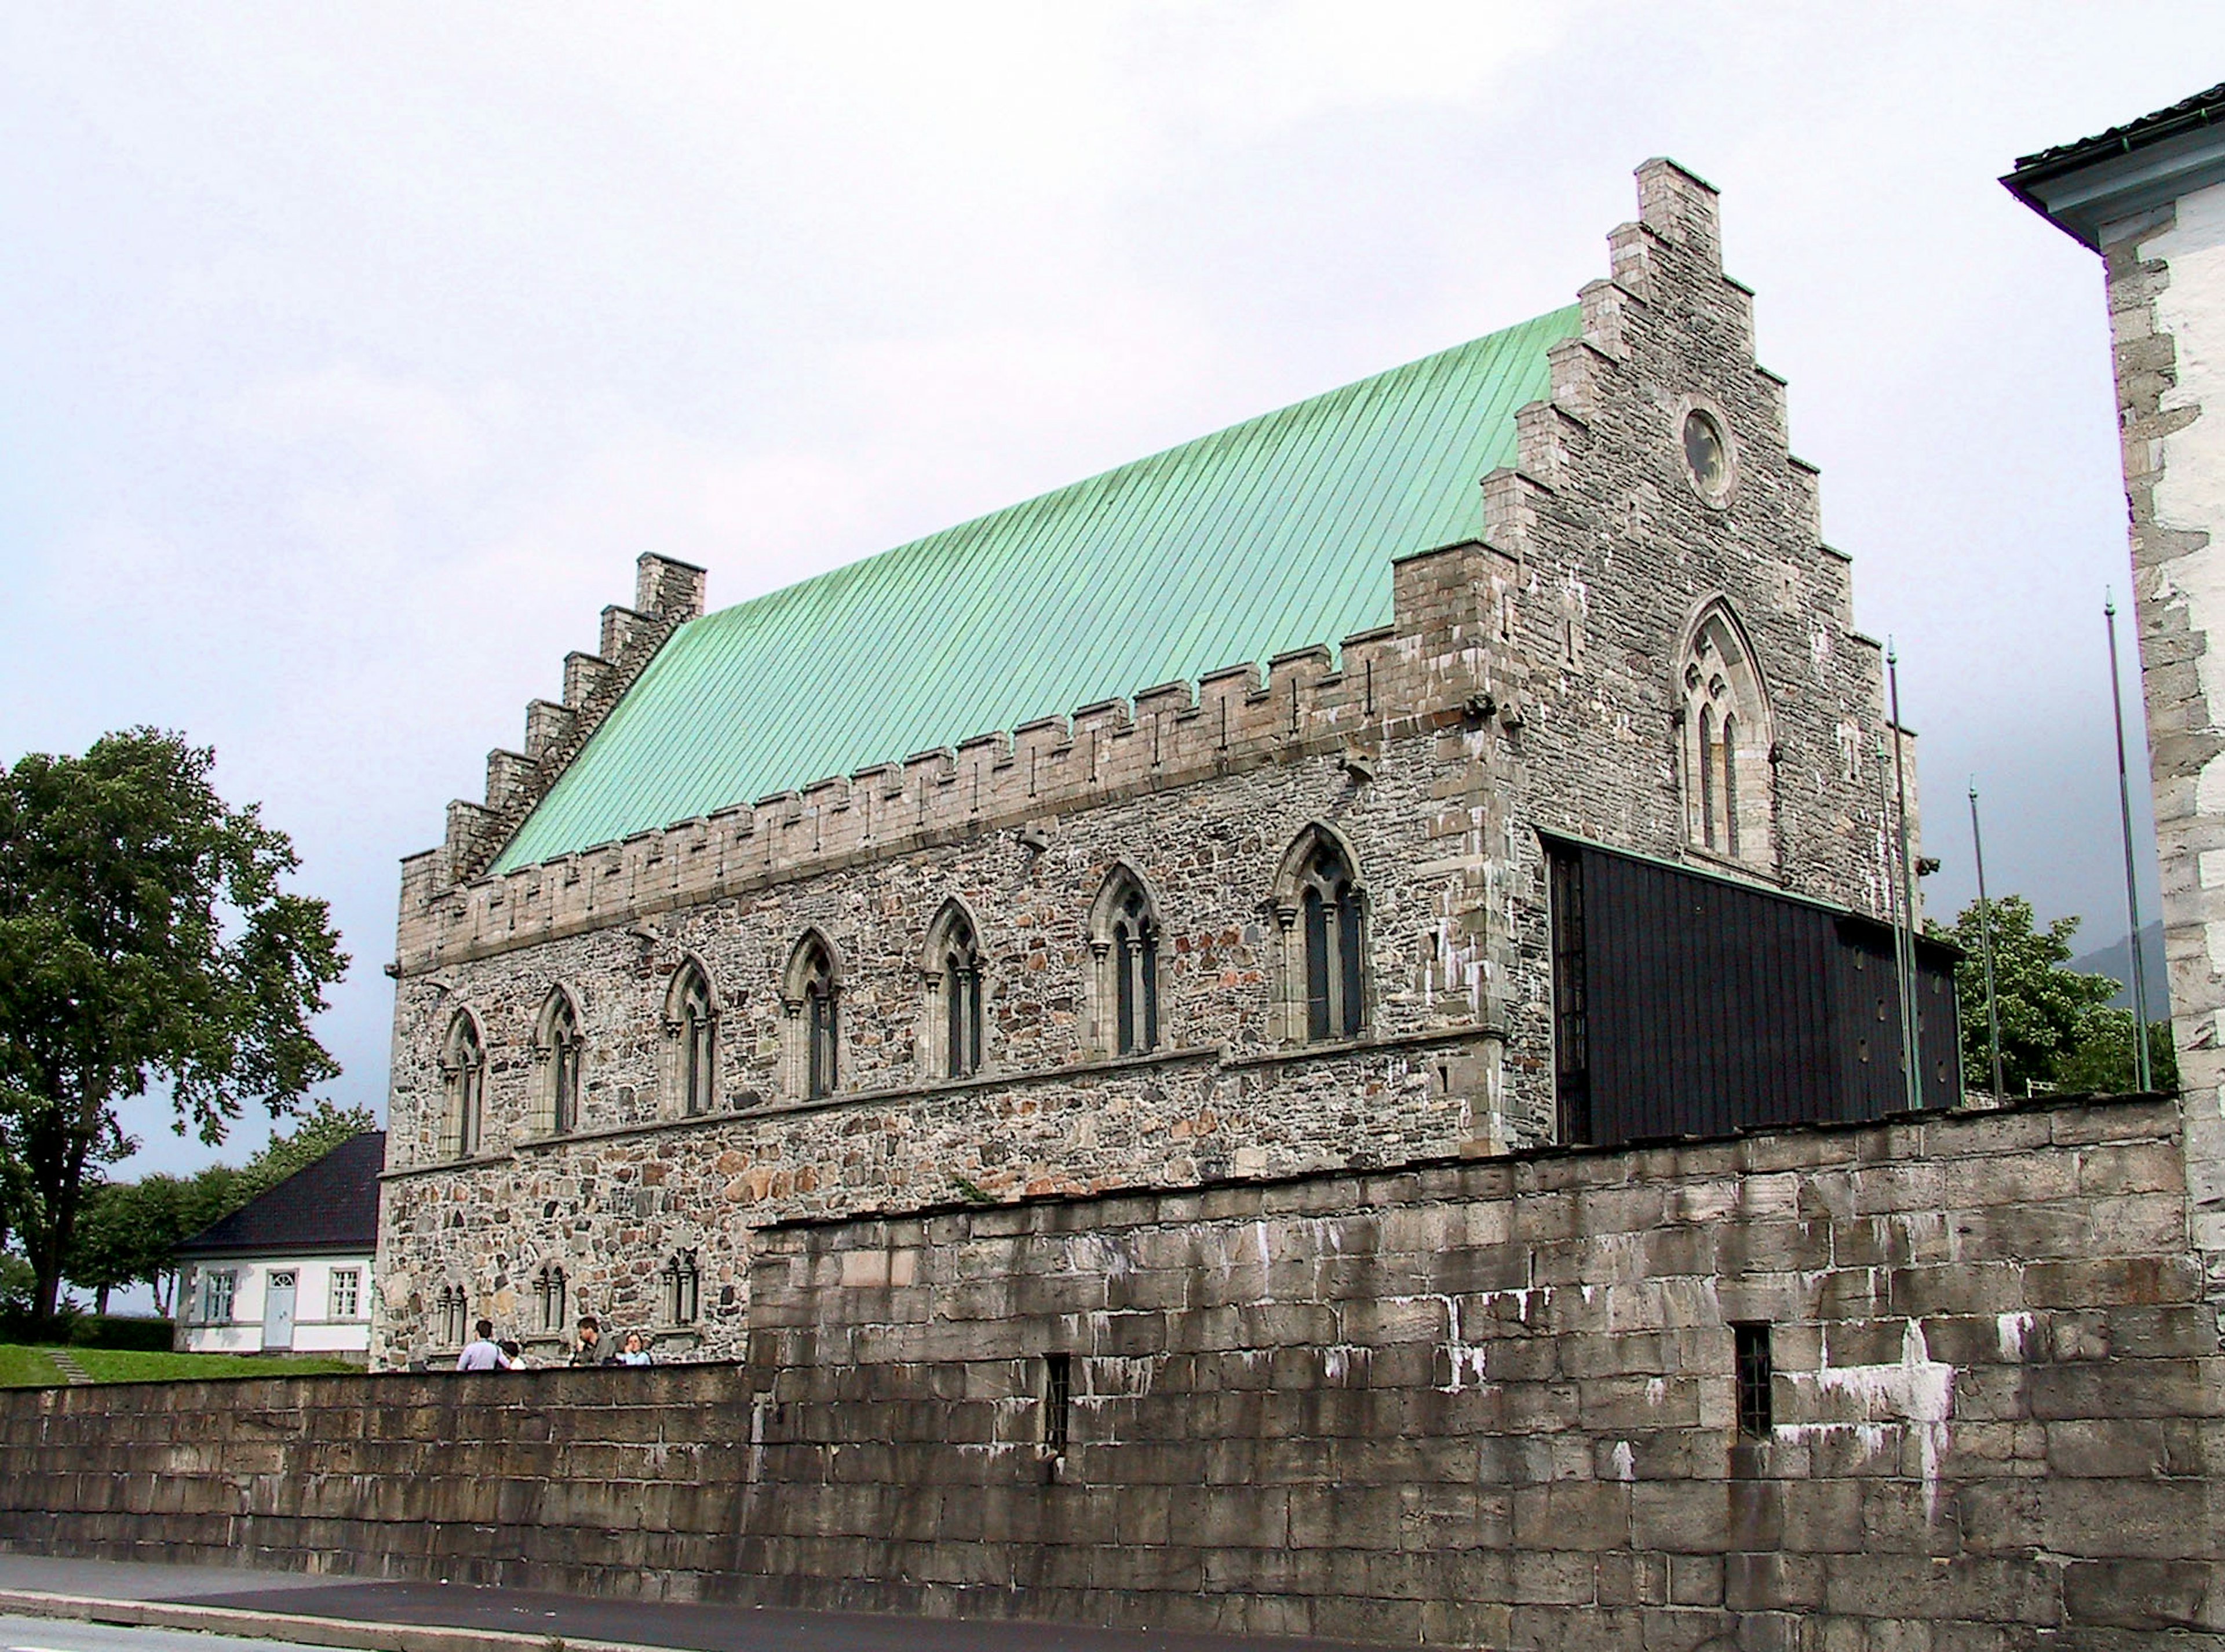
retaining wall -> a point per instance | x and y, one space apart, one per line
1490 1402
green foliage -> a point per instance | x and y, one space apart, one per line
131 1231
2057 1032
116 1330
33 1367
145 940
2101 1059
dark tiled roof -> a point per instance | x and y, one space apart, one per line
331 1205
2200 110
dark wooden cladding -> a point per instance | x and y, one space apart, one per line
1707 1005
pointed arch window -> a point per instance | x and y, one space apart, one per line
463 1071
813 999
559 1045
680 1288
1123 940
691 1023
448 1317
1320 909
549 1298
953 971
1726 759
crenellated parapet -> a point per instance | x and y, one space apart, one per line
667 593
1447 662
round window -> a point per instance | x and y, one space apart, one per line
1706 453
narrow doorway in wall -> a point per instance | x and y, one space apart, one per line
1572 1070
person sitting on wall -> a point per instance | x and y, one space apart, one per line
636 1352
589 1351
481 1353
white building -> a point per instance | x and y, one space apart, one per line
2149 196
290 1272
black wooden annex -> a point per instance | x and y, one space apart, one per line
1687 1004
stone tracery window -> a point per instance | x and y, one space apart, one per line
448 1317
691 1026
1319 910
1124 945
952 973
463 1073
680 1288
811 994
1725 755
549 1298
557 1044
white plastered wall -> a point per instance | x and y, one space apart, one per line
316 1329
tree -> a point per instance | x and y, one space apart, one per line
2101 1059
129 1231
144 939
2047 1012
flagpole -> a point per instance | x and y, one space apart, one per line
1986 943
2139 981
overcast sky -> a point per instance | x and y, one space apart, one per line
353 356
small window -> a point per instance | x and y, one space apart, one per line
448 1317
814 1001
682 1289
218 1288
1058 1402
559 1049
346 1294
548 1300
1706 455
954 995
1725 744
693 1021
1750 1352
463 1065
1125 940
1324 929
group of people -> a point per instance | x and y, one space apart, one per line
484 1353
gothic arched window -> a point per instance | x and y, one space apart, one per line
462 1072
558 1044
448 1317
1124 943
679 1284
549 1298
1320 908
813 999
691 1023
952 973
1725 756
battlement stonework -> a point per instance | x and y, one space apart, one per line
1496 1402
1533 678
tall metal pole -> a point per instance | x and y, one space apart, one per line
2139 973
1899 953
1907 885
1986 942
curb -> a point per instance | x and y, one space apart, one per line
354 1634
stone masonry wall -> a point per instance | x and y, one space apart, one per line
1489 1403
1528 681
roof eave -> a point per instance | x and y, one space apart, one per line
2086 188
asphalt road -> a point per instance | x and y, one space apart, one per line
684 1627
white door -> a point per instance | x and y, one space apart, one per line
278 1312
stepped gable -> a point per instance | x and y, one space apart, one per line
331 1205
1273 535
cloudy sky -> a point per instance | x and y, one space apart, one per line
351 356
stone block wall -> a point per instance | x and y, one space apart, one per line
1529 681
1493 1402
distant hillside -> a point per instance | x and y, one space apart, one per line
2114 960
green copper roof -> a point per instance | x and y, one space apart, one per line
1273 534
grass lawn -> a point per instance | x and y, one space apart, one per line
22 1367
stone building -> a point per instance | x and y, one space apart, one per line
1192 822
2150 197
